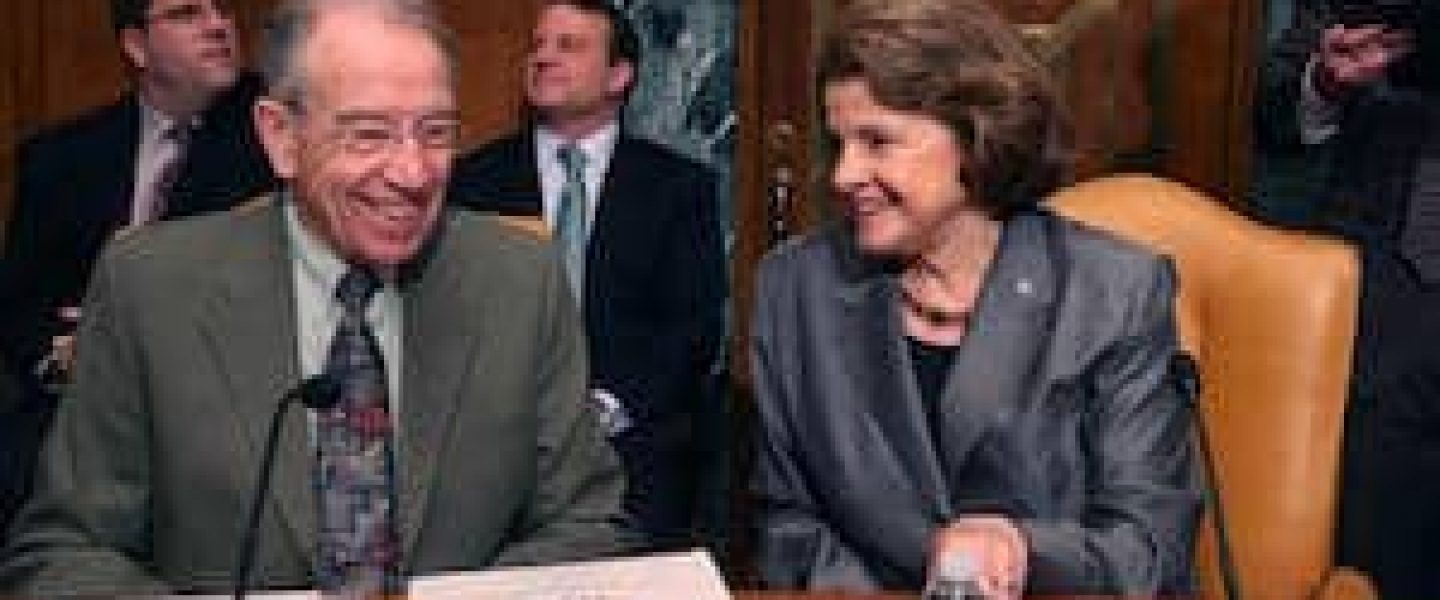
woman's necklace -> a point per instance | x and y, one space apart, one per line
944 310
941 289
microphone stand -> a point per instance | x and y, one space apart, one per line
1187 379
317 392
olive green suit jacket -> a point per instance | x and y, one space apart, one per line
189 340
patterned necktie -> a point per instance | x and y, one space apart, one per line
358 542
570 218
1420 238
170 157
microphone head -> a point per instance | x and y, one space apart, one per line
319 392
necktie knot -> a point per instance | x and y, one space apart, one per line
170 156
356 288
179 133
572 158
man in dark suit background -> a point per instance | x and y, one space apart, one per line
179 143
644 250
1351 97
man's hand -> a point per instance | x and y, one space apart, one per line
1354 57
996 546
57 364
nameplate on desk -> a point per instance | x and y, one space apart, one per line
690 575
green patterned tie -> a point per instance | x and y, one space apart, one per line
570 218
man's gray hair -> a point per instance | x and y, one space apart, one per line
294 21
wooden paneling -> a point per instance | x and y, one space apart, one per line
492 38
10 53
80 65
1097 50
1212 82
778 127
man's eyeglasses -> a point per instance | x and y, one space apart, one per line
189 13
367 135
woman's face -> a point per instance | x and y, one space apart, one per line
898 176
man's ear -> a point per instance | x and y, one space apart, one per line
622 74
275 123
132 43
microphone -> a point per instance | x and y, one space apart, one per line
1186 376
318 392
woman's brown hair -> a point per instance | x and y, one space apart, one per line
960 62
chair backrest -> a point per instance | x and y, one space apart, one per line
1269 316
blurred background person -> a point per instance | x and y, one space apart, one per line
179 143
636 225
950 370
1338 61
1350 96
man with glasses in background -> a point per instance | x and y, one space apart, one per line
455 434
179 143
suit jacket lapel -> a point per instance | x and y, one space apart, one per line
113 177
611 212
994 364
501 177
520 187
250 326
874 338
518 190
438 334
621 179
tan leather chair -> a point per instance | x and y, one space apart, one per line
1269 316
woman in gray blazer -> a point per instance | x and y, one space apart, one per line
948 370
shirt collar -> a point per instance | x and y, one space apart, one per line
319 264
598 146
155 122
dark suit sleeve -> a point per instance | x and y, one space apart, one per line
708 305
1136 532
797 549
86 529
28 297
697 268
574 509
1277 123
699 251
706 247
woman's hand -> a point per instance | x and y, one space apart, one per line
996 547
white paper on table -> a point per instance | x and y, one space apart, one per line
689 575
